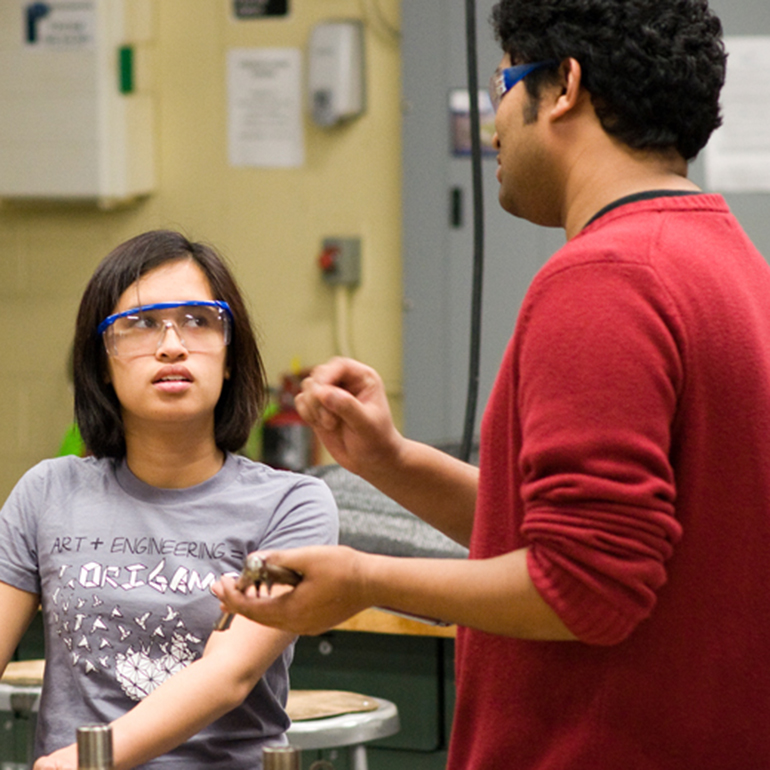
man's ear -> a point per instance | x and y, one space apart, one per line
571 80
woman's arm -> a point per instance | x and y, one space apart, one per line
17 608
232 664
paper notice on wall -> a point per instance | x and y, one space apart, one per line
59 25
264 87
738 154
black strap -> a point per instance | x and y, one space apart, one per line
641 196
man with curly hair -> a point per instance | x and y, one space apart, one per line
613 612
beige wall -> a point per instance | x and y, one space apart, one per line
269 223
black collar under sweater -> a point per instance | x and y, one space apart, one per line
641 196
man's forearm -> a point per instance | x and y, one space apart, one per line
433 485
492 595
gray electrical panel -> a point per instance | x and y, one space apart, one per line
438 247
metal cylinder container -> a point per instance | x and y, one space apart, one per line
281 758
95 747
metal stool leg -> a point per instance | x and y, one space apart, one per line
358 757
31 728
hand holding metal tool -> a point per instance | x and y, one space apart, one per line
255 572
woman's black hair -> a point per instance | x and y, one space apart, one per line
97 410
654 68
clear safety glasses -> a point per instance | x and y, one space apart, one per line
201 326
505 79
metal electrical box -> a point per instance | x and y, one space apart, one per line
340 261
336 71
76 122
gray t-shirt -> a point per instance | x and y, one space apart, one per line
123 570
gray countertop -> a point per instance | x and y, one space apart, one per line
372 522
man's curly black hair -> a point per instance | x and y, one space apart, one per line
654 68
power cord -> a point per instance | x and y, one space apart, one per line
471 403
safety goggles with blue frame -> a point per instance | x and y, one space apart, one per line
201 326
505 79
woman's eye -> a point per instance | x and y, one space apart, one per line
141 323
195 321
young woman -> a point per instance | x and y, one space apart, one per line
121 548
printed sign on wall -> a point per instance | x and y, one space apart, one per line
60 25
265 125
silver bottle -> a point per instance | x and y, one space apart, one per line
281 758
95 747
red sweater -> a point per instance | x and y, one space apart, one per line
627 444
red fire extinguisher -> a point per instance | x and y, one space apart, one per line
288 442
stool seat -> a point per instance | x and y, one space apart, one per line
20 687
353 730
346 729
24 672
22 699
